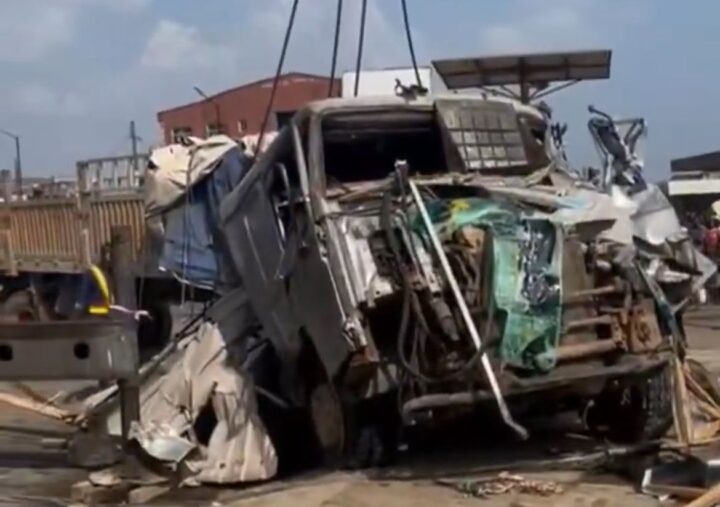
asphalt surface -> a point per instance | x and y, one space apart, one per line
31 475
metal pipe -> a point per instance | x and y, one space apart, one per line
465 312
581 295
579 350
591 321
18 162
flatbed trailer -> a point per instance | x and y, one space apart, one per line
65 230
59 232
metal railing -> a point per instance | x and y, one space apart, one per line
112 174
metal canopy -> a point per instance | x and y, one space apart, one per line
705 162
528 71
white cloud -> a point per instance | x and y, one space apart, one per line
33 29
384 43
559 25
175 46
117 5
38 99
253 50
177 54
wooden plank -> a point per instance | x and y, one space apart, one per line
144 494
36 406
89 494
709 499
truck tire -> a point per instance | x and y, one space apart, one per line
635 411
352 435
19 307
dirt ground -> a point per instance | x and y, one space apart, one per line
31 475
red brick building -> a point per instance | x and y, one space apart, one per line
240 111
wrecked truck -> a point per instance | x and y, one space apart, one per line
411 258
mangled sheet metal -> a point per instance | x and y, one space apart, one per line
523 277
204 376
526 273
644 221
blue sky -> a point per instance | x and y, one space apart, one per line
73 73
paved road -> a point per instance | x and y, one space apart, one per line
30 474
33 476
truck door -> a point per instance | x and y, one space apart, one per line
254 237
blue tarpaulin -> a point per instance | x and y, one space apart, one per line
191 251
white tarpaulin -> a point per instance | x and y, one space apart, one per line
178 167
239 449
251 140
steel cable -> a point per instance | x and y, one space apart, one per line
361 42
336 45
278 71
410 42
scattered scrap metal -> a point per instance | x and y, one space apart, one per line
503 483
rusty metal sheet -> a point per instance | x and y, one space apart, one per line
64 235
108 213
64 227
43 234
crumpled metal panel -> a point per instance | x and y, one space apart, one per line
655 220
240 448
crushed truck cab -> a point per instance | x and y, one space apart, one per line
434 253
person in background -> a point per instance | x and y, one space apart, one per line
711 248
711 238
695 229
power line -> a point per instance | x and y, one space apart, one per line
283 52
336 45
360 46
410 42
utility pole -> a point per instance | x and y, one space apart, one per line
18 162
133 141
211 101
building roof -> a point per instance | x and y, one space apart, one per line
251 84
706 162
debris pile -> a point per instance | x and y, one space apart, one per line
504 483
204 376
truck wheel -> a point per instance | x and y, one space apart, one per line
19 307
351 435
329 423
635 411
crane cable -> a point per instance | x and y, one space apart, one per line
410 42
361 41
283 52
336 45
